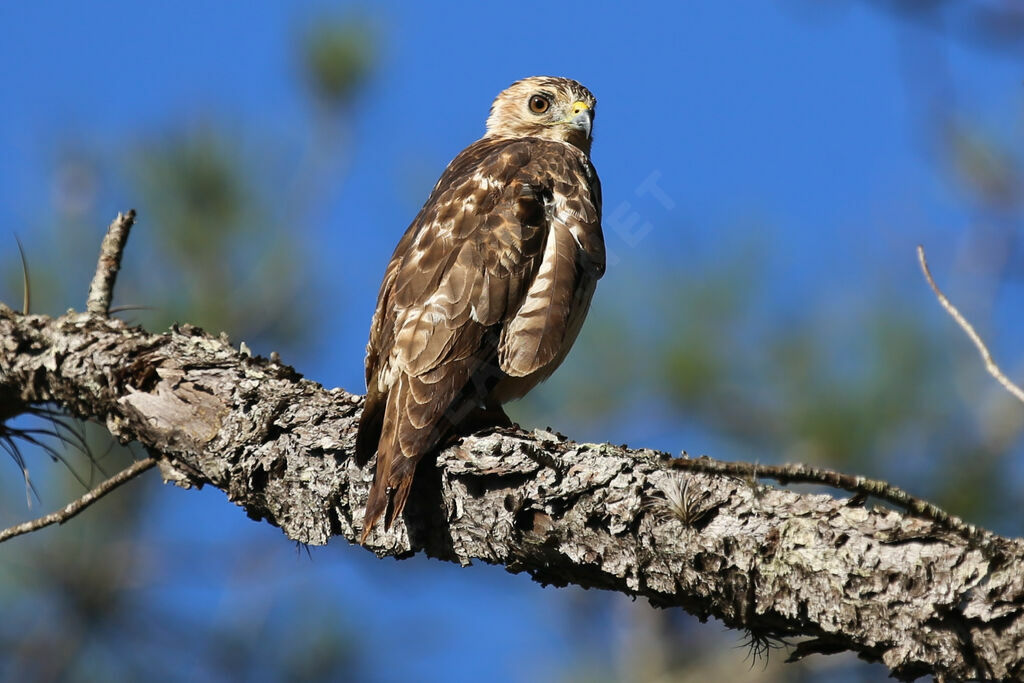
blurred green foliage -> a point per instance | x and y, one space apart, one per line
223 257
339 59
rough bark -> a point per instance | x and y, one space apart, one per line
895 588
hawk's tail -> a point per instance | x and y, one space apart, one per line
376 504
400 496
371 422
388 487
392 479
412 419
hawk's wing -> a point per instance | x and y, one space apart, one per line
545 324
484 284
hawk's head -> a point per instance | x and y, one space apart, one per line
544 107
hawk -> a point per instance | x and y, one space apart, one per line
487 290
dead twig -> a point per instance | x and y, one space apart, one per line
990 364
805 474
101 291
76 506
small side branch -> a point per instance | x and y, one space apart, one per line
990 364
101 291
805 474
76 506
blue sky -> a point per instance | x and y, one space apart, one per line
803 118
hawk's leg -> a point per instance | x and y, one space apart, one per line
485 417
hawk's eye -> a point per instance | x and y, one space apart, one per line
539 104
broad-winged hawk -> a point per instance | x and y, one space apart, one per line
488 288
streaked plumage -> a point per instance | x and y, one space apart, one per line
487 289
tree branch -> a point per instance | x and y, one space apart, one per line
805 474
76 506
968 328
101 291
908 591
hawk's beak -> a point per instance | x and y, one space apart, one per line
581 118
